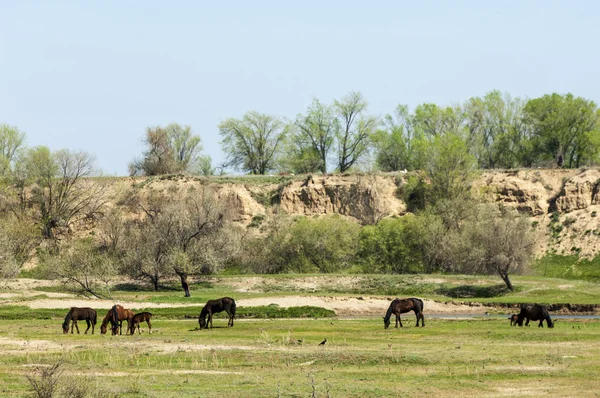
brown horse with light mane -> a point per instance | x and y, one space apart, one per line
79 314
139 318
398 307
116 315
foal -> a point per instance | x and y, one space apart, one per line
139 318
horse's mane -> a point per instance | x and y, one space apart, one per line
388 314
68 317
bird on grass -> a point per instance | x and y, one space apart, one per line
323 342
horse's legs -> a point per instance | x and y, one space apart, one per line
541 324
88 326
210 319
76 327
398 319
230 320
149 326
527 323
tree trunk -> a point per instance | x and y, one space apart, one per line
506 279
184 284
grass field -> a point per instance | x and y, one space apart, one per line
264 358
281 357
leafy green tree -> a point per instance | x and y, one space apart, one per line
326 244
353 129
495 124
563 128
315 135
252 143
11 142
391 246
432 120
451 166
394 143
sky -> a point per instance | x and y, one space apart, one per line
93 76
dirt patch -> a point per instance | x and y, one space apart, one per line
353 306
342 306
28 345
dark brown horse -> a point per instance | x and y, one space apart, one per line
513 319
139 318
212 307
534 312
398 307
79 314
116 315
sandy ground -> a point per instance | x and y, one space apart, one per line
20 289
343 306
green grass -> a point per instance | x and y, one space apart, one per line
568 267
15 312
269 358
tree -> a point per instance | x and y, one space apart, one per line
179 236
84 268
393 143
501 243
61 190
450 166
18 239
326 244
495 124
391 246
353 129
316 134
251 143
563 128
171 149
11 142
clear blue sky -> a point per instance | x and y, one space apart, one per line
93 75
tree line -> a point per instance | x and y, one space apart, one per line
45 193
493 131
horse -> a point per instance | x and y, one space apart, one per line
398 307
513 319
213 306
139 318
116 315
79 314
534 312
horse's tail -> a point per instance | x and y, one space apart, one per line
546 316
418 304
233 306
115 319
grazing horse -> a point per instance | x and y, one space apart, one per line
513 319
213 306
534 312
79 314
116 315
139 318
398 307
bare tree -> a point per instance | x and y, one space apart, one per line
61 189
176 236
83 269
501 243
